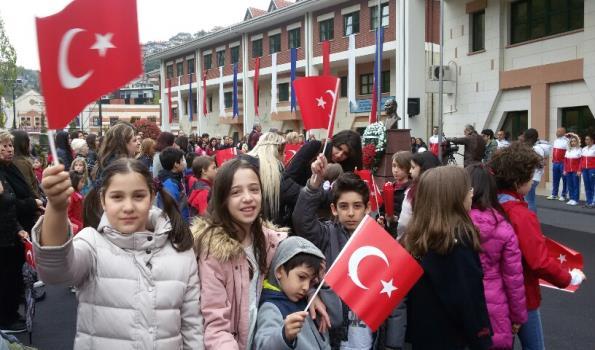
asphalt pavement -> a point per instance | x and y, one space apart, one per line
568 318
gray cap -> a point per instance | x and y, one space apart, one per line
287 249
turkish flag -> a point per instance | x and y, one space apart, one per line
388 195
375 195
372 273
568 258
223 155
87 50
29 258
317 97
290 151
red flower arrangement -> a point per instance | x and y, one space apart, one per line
368 155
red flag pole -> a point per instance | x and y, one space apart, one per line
331 121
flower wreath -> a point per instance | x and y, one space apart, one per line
374 140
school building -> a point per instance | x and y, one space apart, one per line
409 50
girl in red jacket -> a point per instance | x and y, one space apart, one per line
204 170
513 169
75 206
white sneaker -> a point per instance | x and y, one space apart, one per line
551 197
562 199
572 202
38 284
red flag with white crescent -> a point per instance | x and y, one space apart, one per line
568 258
317 98
372 273
88 49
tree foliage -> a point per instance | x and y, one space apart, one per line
8 66
149 128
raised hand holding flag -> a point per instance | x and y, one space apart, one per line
568 258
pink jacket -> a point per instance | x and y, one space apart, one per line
502 275
224 291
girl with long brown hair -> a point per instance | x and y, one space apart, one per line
446 308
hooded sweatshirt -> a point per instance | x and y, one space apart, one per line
275 305
173 184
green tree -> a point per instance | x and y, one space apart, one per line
8 67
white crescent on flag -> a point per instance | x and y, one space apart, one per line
67 79
359 255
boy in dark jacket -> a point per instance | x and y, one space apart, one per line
350 196
282 322
171 176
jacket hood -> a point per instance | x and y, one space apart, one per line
158 226
167 174
275 296
288 248
217 242
486 220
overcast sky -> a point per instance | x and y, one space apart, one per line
158 20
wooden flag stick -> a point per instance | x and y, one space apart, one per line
53 147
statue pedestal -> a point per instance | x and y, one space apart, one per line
396 140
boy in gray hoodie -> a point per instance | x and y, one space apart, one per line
282 322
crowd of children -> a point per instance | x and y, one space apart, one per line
169 249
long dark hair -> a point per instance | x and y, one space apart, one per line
485 191
353 141
219 216
426 161
91 139
21 143
179 236
62 141
164 140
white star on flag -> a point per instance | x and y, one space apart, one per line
321 102
102 43
388 287
562 258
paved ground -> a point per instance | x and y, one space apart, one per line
568 319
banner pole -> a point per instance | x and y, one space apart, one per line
53 147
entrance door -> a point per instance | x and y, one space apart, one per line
515 124
578 120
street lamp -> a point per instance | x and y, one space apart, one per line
14 105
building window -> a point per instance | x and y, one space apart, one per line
207 61
343 86
180 68
374 16
235 54
221 58
210 103
274 43
533 19
578 120
294 38
516 123
283 91
228 99
326 29
257 48
366 81
478 31
170 71
190 64
351 23
385 88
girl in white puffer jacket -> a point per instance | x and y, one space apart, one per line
136 274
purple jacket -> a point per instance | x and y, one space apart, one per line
503 275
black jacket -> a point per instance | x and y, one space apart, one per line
26 207
474 148
9 223
446 308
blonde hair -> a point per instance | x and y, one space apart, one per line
292 137
440 218
5 136
268 150
85 170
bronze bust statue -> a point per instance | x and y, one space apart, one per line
390 107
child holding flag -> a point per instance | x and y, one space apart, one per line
350 197
282 322
513 170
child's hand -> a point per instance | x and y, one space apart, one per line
293 324
318 168
380 220
57 186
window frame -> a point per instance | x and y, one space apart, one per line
328 24
234 51
477 32
228 99
368 85
274 43
169 71
283 92
257 47
374 16
179 72
221 58
355 25
385 82
208 58
190 65
298 38
343 86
